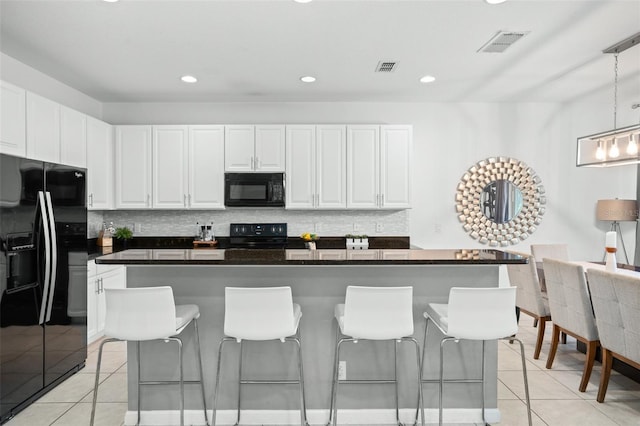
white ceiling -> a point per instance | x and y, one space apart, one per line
254 51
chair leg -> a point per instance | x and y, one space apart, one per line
199 360
97 381
303 404
564 338
395 379
607 361
216 391
588 364
239 381
535 322
420 405
139 396
334 406
554 345
441 381
526 381
334 374
180 361
482 384
541 327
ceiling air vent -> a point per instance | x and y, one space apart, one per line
502 40
386 66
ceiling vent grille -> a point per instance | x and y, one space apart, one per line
501 41
386 66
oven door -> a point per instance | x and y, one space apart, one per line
254 190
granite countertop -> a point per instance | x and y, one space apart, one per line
290 257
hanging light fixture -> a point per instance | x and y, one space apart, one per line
603 149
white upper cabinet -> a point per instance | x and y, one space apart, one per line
300 165
270 148
170 153
363 165
13 127
396 146
254 148
99 165
379 167
316 167
133 167
73 137
43 128
206 167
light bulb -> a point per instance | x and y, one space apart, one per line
600 154
632 148
614 152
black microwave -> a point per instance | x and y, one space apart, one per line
254 189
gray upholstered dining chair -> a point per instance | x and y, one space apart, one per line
529 297
550 251
571 310
616 303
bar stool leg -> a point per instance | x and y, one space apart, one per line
526 381
199 356
395 379
239 382
482 384
334 375
97 381
303 405
217 387
334 406
420 404
139 396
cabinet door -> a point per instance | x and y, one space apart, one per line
206 167
239 144
362 167
13 127
395 166
133 167
93 290
300 185
170 150
73 137
331 167
270 149
43 129
99 164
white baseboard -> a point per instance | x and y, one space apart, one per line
315 417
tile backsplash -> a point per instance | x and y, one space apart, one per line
156 223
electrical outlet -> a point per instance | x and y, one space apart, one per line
342 370
138 227
379 227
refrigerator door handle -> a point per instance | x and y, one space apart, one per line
54 253
47 255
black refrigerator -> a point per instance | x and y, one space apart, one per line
43 278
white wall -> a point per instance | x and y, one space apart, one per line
448 139
15 72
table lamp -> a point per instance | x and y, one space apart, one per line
617 211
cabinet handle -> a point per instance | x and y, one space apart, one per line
102 285
317 200
185 200
189 200
148 200
97 291
382 200
90 200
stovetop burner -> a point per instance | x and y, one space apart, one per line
258 235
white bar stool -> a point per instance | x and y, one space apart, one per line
474 314
260 314
149 313
374 313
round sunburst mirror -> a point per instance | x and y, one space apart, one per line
500 201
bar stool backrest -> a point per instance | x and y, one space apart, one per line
529 293
569 299
259 313
482 313
378 313
551 251
146 313
616 303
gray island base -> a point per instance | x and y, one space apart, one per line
318 280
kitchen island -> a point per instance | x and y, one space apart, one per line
318 279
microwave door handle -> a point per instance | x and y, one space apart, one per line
269 191
54 253
47 254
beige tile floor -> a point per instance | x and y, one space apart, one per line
554 393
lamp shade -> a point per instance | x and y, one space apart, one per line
617 210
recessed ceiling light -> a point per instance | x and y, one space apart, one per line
302 1
427 79
111 1
188 79
308 79
495 1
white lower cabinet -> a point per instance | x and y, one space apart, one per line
99 278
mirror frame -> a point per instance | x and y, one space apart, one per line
469 208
